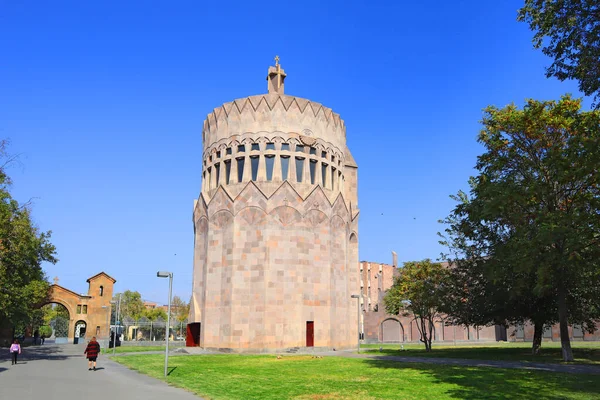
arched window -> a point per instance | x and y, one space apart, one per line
101 291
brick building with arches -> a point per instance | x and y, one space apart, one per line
379 327
89 315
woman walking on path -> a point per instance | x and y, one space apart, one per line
15 350
92 350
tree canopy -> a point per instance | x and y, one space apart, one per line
179 309
531 221
155 313
419 290
568 31
23 250
131 306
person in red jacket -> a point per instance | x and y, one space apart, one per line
92 350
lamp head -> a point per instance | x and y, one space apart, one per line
355 296
164 274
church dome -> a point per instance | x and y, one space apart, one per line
274 137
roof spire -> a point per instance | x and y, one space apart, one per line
275 78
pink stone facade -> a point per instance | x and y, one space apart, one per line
276 227
379 327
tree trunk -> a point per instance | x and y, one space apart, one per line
430 338
421 326
538 331
565 342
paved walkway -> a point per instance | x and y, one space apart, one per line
59 372
573 369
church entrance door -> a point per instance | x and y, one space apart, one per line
192 339
310 333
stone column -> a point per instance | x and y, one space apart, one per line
306 175
292 168
319 177
221 173
276 168
233 176
213 177
262 168
247 177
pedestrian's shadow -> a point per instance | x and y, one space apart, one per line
99 368
3 369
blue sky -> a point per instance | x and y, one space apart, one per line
104 101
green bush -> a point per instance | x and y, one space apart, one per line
45 331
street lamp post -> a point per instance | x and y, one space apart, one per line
108 309
165 274
357 297
116 325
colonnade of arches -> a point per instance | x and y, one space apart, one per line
266 160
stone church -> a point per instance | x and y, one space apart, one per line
276 227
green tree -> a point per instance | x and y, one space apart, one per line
568 32
23 250
45 331
53 311
155 313
531 223
484 292
131 305
179 309
419 290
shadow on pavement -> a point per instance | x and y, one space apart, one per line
3 369
475 383
46 352
99 368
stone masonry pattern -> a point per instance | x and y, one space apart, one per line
276 227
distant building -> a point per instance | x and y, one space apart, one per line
380 327
150 305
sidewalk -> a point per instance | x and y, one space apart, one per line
60 372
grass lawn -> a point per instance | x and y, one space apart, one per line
584 352
303 377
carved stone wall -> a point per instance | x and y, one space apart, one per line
267 265
276 233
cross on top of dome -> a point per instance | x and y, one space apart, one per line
275 78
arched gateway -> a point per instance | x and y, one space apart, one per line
87 313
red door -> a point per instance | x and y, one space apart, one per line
192 338
310 333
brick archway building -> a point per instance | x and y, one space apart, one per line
93 309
